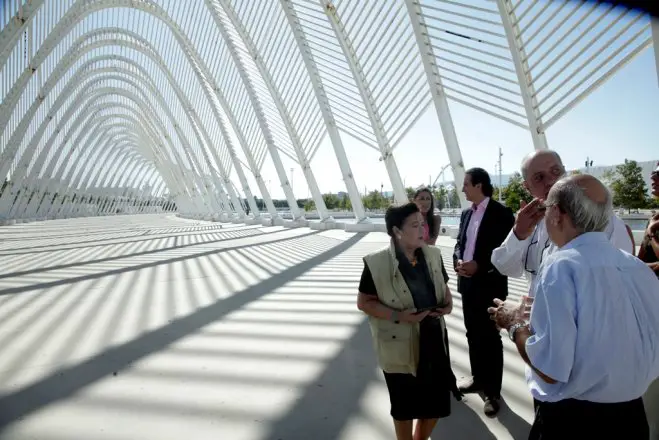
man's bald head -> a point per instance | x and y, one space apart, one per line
540 171
533 158
585 200
592 188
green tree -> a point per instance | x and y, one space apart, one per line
514 193
310 205
374 200
575 172
608 177
410 193
495 192
454 197
345 204
628 186
332 201
440 195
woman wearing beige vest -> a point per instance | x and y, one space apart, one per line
403 291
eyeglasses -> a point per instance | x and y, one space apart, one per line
535 242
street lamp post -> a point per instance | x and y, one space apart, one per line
500 176
589 163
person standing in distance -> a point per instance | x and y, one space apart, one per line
483 227
528 244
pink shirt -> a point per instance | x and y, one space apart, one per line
472 229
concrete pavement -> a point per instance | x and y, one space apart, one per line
155 327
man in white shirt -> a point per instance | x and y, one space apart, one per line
528 243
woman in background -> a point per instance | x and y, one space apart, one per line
424 200
649 252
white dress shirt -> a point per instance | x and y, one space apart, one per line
595 321
515 257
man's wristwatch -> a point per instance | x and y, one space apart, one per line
513 329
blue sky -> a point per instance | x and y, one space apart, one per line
618 121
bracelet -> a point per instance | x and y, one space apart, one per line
513 329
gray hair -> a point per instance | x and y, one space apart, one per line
527 160
586 214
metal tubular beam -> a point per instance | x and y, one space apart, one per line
400 193
10 34
13 145
438 96
74 54
302 158
655 43
326 110
173 97
260 117
511 26
83 8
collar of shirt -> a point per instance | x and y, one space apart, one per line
586 239
482 205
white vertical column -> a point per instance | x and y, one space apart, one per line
438 96
326 111
655 42
523 74
400 194
260 117
281 108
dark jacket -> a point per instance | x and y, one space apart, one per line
497 222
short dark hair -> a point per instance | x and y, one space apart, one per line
396 216
479 175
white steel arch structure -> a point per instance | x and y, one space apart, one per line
129 105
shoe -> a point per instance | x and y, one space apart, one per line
469 386
491 407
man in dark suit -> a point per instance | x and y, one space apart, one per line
483 227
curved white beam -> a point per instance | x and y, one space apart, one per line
438 94
83 8
513 34
302 158
325 109
258 110
82 74
400 194
62 97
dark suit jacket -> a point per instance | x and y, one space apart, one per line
497 222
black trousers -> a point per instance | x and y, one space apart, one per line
573 419
485 347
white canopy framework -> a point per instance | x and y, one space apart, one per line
142 105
